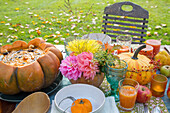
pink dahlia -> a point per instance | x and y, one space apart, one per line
69 68
87 65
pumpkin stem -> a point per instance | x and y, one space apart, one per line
81 102
137 52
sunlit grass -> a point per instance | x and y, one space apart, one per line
53 17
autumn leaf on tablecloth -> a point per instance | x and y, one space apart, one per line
38 32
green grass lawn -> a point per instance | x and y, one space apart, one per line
52 20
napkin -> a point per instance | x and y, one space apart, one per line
109 106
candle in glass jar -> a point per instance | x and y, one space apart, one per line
155 44
148 51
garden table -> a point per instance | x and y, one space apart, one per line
163 102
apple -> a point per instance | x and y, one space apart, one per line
144 94
165 70
168 91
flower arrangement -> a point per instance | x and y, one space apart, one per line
78 46
74 67
86 59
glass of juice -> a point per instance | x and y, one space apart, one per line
158 85
155 44
128 89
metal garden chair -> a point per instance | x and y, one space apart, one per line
120 22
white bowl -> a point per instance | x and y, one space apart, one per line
94 94
98 36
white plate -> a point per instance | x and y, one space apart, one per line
94 94
98 36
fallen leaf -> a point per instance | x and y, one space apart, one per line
37 28
51 12
9 19
62 39
56 41
30 13
31 36
16 9
149 28
11 28
7 24
59 22
163 25
36 15
148 33
158 27
31 30
156 33
9 40
165 34
42 26
57 32
67 34
3 22
5 17
50 29
76 34
15 37
38 32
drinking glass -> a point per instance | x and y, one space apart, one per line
115 71
128 89
158 85
155 44
125 42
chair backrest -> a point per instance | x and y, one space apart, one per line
119 22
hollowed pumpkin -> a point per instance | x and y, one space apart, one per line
139 67
37 73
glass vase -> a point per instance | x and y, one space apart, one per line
114 72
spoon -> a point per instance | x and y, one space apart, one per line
37 102
156 109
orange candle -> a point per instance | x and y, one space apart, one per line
148 51
155 44
123 49
127 96
158 85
